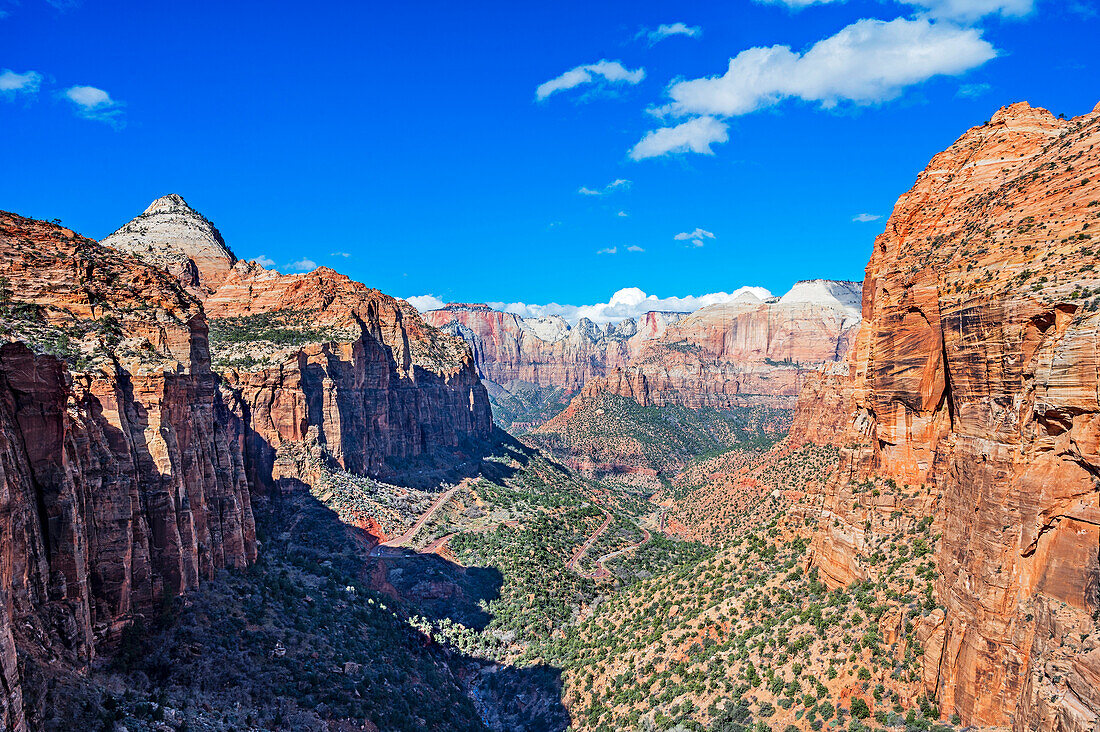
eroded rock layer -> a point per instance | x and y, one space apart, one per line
973 381
747 351
122 478
318 358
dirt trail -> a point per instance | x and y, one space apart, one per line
602 571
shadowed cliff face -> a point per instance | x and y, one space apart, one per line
975 373
122 474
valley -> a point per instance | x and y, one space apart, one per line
237 499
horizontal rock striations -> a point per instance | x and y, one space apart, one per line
122 479
735 354
321 359
974 381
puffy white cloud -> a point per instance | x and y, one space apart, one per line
424 303
609 250
263 261
93 103
959 10
666 30
696 238
695 135
302 265
634 248
611 187
12 83
602 72
629 302
622 214
340 254
864 218
867 62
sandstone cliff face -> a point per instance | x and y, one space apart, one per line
122 476
374 384
744 352
974 380
318 358
547 352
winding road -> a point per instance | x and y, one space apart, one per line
399 541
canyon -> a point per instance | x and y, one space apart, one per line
130 465
865 504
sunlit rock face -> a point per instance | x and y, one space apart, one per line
720 355
975 373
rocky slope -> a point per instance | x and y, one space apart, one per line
973 388
122 474
320 359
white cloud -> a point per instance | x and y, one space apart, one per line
96 104
696 238
864 218
622 214
696 135
609 250
339 254
263 261
424 303
302 265
634 248
867 62
609 188
972 10
12 83
629 302
666 30
601 72
959 10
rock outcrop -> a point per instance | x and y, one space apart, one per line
974 381
173 236
318 358
122 477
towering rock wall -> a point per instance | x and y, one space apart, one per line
318 358
122 477
547 352
746 351
974 381
368 379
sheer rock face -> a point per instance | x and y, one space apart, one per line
385 388
120 484
547 351
975 374
173 236
720 355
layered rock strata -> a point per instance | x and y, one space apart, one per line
122 478
973 382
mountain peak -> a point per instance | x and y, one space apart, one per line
172 235
171 202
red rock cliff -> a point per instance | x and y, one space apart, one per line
975 375
122 477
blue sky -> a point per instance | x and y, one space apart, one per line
519 152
